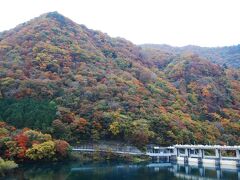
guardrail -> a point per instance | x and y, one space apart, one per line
122 150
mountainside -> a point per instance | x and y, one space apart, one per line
227 56
80 84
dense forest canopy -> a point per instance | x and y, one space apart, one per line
225 56
80 84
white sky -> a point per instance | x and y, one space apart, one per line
174 22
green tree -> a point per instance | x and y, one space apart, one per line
28 112
139 133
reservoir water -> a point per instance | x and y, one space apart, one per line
121 171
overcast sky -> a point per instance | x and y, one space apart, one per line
174 22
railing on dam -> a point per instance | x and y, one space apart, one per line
200 151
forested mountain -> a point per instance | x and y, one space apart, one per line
227 56
80 84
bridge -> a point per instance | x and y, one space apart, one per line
107 150
199 154
192 154
199 151
104 148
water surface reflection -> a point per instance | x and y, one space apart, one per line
119 171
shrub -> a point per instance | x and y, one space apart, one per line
6 165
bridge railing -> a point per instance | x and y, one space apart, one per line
126 149
189 151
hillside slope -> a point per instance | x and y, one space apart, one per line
227 56
80 84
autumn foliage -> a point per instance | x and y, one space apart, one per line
27 144
79 84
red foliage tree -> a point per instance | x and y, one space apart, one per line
62 147
22 144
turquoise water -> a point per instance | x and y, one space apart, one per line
119 171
